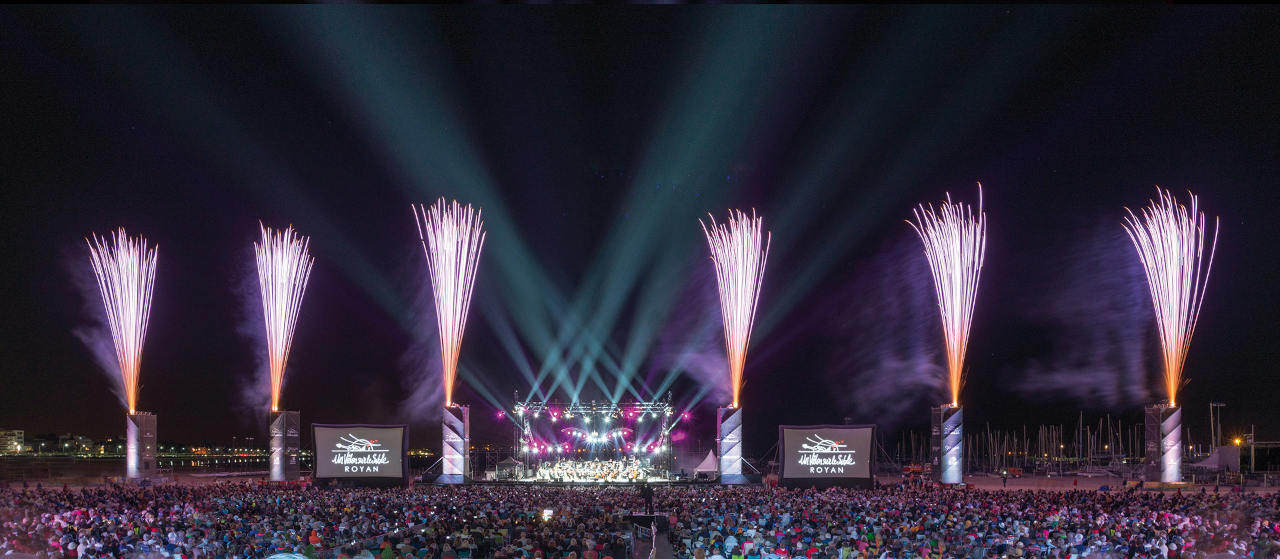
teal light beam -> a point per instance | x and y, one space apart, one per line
160 70
1008 59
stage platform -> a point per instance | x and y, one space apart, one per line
650 480
655 482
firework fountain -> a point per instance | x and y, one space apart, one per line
126 272
739 249
284 265
955 242
1170 242
452 237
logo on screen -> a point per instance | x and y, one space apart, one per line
359 455
825 456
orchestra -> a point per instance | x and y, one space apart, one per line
626 470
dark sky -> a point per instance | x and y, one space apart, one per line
594 138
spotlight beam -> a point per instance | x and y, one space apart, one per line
955 242
1170 242
452 237
739 257
284 266
126 271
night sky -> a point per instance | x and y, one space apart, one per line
594 139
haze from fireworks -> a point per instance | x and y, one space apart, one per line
739 249
452 237
955 242
1170 243
284 265
126 271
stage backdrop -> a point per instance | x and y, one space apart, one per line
361 451
826 455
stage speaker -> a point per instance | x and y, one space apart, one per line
729 444
283 437
947 442
1163 444
456 427
140 445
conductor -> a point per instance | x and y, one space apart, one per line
646 492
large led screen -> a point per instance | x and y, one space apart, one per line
357 451
826 454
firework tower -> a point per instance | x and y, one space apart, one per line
1170 242
739 249
452 237
955 242
126 272
284 265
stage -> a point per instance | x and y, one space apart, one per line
623 470
598 482
654 482
590 443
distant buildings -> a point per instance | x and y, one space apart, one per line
76 443
11 441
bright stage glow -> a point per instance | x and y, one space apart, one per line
739 249
284 265
452 237
126 271
1170 243
955 242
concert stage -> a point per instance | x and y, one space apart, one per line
596 483
587 472
591 442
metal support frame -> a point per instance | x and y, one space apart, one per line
1163 427
524 414
456 446
729 444
140 445
947 441
283 439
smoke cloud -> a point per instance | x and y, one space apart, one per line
894 367
254 397
420 364
1097 312
692 343
94 332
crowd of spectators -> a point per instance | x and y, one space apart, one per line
929 522
242 520
246 520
